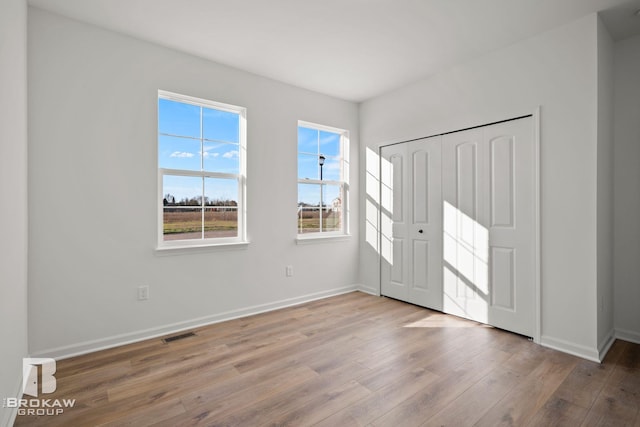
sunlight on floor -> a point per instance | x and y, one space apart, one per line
444 321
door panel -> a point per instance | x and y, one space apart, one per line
466 165
420 278
489 199
414 175
397 268
394 265
425 179
502 280
397 213
466 287
502 175
512 191
420 196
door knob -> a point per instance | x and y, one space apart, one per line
420 231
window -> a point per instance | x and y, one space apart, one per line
201 171
323 184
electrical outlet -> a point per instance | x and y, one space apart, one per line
289 270
143 293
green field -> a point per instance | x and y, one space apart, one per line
190 221
187 223
309 222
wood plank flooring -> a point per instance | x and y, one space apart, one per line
349 360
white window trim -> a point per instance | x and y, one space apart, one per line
177 246
328 236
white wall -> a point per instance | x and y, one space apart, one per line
627 185
557 71
606 331
13 190
92 172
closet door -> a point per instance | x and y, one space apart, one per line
488 225
510 214
411 222
464 234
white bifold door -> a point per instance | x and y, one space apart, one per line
412 222
458 231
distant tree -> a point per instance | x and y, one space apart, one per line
169 199
194 201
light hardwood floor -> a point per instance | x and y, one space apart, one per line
353 359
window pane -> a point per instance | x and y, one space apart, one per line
220 125
307 140
331 169
308 166
177 118
330 144
308 208
332 208
221 207
310 211
219 157
182 212
178 153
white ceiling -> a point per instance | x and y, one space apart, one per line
350 49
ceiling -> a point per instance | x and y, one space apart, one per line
350 49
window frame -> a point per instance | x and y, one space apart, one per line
343 184
240 177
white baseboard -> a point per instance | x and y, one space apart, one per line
9 414
78 349
626 335
368 290
604 347
571 348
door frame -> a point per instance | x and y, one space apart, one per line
537 266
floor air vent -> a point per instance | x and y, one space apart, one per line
179 337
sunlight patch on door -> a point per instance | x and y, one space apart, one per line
466 265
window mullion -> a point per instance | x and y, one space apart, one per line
201 143
318 158
343 208
321 210
202 169
317 181
202 211
240 207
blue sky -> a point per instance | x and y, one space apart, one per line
218 150
310 193
312 143
182 144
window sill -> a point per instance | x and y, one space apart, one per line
185 249
310 240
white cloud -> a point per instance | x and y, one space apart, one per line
230 154
181 154
332 166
